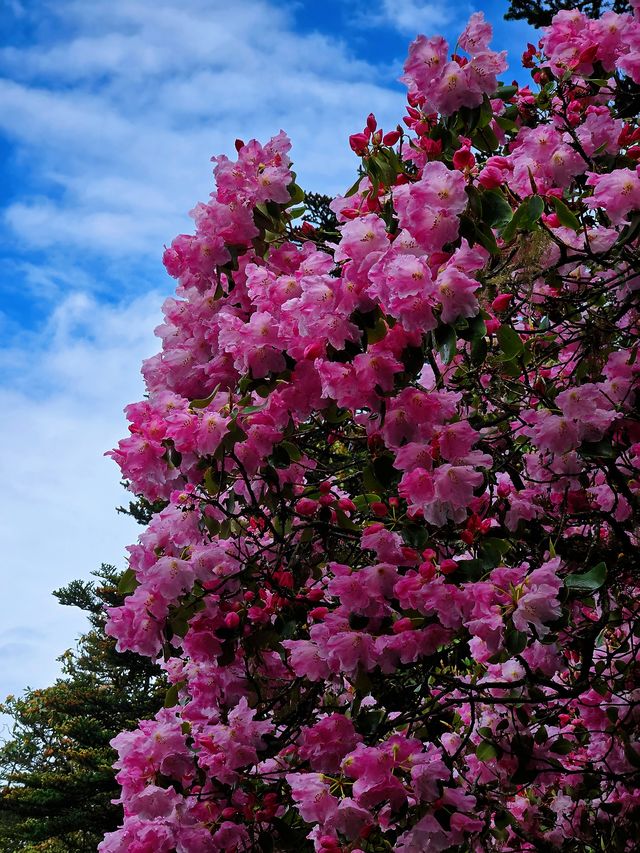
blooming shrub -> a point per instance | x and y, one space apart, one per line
394 582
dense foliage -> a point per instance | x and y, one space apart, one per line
57 780
539 13
394 579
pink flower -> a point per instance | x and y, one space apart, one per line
456 292
305 659
349 650
455 484
617 192
312 796
360 238
325 744
538 601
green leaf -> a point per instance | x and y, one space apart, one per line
477 327
505 92
507 124
294 452
562 746
171 696
204 402
128 582
598 450
525 217
296 193
591 580
515 641
345 522
485 140
566 216
353 189
510 343
485 751
377 333
485 236
493 550
362 502
496 210
479 351
486 113
370 481
446 341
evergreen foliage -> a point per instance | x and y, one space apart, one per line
540 14
56 779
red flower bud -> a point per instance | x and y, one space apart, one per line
372 124
492 325
463 159
232 620
306 506
347 505
318 613
503 490
447 567
427 570
391 137
409 554
379 509
359 143
315 594
501 302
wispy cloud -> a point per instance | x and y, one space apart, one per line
57 519
110 112
408 18
120 112
411 17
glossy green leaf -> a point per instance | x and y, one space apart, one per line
171 696
128 582
525 217
486 751
496 210
446 342
591 580
505 92
510 343
566 216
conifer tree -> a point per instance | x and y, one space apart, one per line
56 778
539 13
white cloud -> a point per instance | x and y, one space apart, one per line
411 17
57 516
113 112
120 117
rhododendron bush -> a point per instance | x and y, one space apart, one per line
392 575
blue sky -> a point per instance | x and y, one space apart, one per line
109 114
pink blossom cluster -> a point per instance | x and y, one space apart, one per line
394 468
443 84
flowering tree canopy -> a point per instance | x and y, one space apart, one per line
392 576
